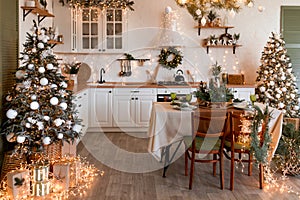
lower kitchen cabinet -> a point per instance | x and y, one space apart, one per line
132 107
100 107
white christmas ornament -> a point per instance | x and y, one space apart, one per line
54 101
33 97
49 66
272 83
63 84
28 125
278 96
289 70
34 105
60 136
25 57
47 140
40 45
42 69
40 125
44 81
296 107
53 86
203 21
293 96
30 66
63 105
46 118
21 138
77 128
58 122
20 74
33 50
283 89
168 10
262 89
281 105
45 40
11 114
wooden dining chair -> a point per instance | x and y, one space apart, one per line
206 139
237 142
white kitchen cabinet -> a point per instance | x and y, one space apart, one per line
81 101
100 107
243 92
132 107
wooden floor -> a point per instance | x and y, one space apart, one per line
117 185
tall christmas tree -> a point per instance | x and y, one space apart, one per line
275 81
39 108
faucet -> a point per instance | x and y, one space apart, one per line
102 71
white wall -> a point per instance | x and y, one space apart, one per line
144 38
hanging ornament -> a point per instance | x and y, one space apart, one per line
54 101
21 138
278 96
20 74
53 85
49 66
77 128
34 105
283 89
8 98
63 105
11 137
40 125
11 114
63 84
296 108
46 118
272 83
33 97
40 45
60 136
47 140
281 105
44 81
198 12
262 89
28 125
30 66
293 96
42 69
168 10
58 122
25 57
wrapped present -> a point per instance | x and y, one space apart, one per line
68 149
18 184
74 173
40 172
61 173
40 188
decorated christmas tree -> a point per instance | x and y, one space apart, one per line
276 84
39 108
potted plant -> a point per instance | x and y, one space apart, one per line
211 17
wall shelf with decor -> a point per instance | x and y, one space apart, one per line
213 27
53 43
41 13
222 46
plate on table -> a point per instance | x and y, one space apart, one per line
241 106
185 108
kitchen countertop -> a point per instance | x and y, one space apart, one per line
79 87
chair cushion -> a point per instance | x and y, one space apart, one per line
203 144
245 146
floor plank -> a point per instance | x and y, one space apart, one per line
150 185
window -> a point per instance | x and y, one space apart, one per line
94 30
290 30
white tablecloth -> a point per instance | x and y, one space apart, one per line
168 125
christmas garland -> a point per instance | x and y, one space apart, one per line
164 57
260 143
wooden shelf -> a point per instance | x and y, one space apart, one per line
213 27
222 46
53 43
41 13
136 59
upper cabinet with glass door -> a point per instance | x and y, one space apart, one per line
95 31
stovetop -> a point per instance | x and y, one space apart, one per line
172 83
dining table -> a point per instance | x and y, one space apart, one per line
169 124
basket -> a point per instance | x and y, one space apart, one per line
11 162
53 151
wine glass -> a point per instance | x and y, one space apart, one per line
173 96
188 97
253 98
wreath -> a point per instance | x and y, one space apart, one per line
260 141
170 58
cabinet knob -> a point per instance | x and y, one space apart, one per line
132 98
109 91
136 98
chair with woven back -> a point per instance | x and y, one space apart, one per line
237 142
207 138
